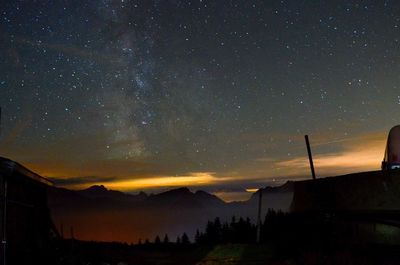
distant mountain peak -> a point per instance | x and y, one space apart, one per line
210 198
183 197
98 188
142 193
183 190
203 193
286 187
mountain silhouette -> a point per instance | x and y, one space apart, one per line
101 192
97 213
183 197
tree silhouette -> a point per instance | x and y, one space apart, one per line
157 240
185 239
286 230
242 231
197 237
166 239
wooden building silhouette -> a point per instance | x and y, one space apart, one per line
25 222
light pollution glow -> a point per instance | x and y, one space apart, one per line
192 180
157 96
362 153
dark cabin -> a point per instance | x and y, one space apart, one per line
25 219
366 203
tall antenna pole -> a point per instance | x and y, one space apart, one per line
310 157
4 221
259 216
4 213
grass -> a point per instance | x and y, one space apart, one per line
229 254
233 254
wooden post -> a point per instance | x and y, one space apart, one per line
62 231
310 157
4 221
259 216
4 212
72 232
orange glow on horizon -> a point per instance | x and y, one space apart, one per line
363 154
192 180
252 190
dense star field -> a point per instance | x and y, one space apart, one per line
217 94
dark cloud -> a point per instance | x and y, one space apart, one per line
77 181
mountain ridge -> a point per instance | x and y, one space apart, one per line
101 193
91 211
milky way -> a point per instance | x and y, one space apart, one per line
142 89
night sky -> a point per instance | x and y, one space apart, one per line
148 95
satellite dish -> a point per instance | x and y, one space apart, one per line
392 152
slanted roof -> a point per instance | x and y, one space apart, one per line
9 167
362 191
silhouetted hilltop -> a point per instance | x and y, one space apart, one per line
180 197
101 214
286 187
97 213
278 197
209 199
101 192
183 197
61 197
